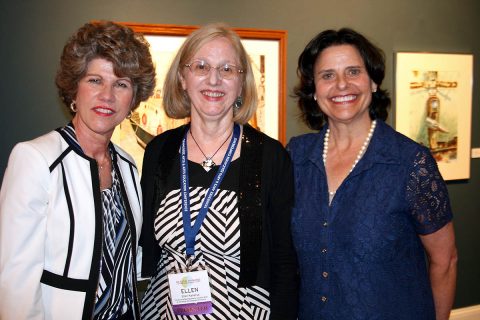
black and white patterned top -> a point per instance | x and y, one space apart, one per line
217 246
114 293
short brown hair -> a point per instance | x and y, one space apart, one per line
175 100
128 51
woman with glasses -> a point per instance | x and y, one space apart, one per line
217 195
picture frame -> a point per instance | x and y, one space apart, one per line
433 95
267 51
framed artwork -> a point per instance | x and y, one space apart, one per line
434 106
267 52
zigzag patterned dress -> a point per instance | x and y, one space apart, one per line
217 246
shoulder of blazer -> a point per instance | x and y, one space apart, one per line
165 147
52 146
69 145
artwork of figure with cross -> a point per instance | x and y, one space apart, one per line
432 118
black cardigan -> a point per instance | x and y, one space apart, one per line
267 256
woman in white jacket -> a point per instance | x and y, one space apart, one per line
70 202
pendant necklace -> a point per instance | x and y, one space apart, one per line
208 163
104 180
106 160
331 194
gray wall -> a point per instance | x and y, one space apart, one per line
33 32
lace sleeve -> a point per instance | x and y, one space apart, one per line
427 195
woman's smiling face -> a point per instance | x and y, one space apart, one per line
212 96
343 88
103 99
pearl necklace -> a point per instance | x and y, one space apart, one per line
359 155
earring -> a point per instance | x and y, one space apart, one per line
129 116
314 97
73 107
238 103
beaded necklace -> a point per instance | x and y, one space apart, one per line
357 159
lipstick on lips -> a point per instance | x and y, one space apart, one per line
103 111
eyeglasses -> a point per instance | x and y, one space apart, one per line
201 68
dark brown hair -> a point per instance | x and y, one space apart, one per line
373 58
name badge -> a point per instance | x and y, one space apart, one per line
190 293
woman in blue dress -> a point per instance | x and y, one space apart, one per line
369 202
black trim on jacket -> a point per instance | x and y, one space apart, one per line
72 221
90 285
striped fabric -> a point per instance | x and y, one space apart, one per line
217 247
114 292
70 132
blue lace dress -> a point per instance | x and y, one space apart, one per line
361 257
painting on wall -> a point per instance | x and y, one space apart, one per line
267 53
434 105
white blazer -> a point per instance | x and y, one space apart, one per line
51 229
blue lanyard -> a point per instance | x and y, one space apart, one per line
192 231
